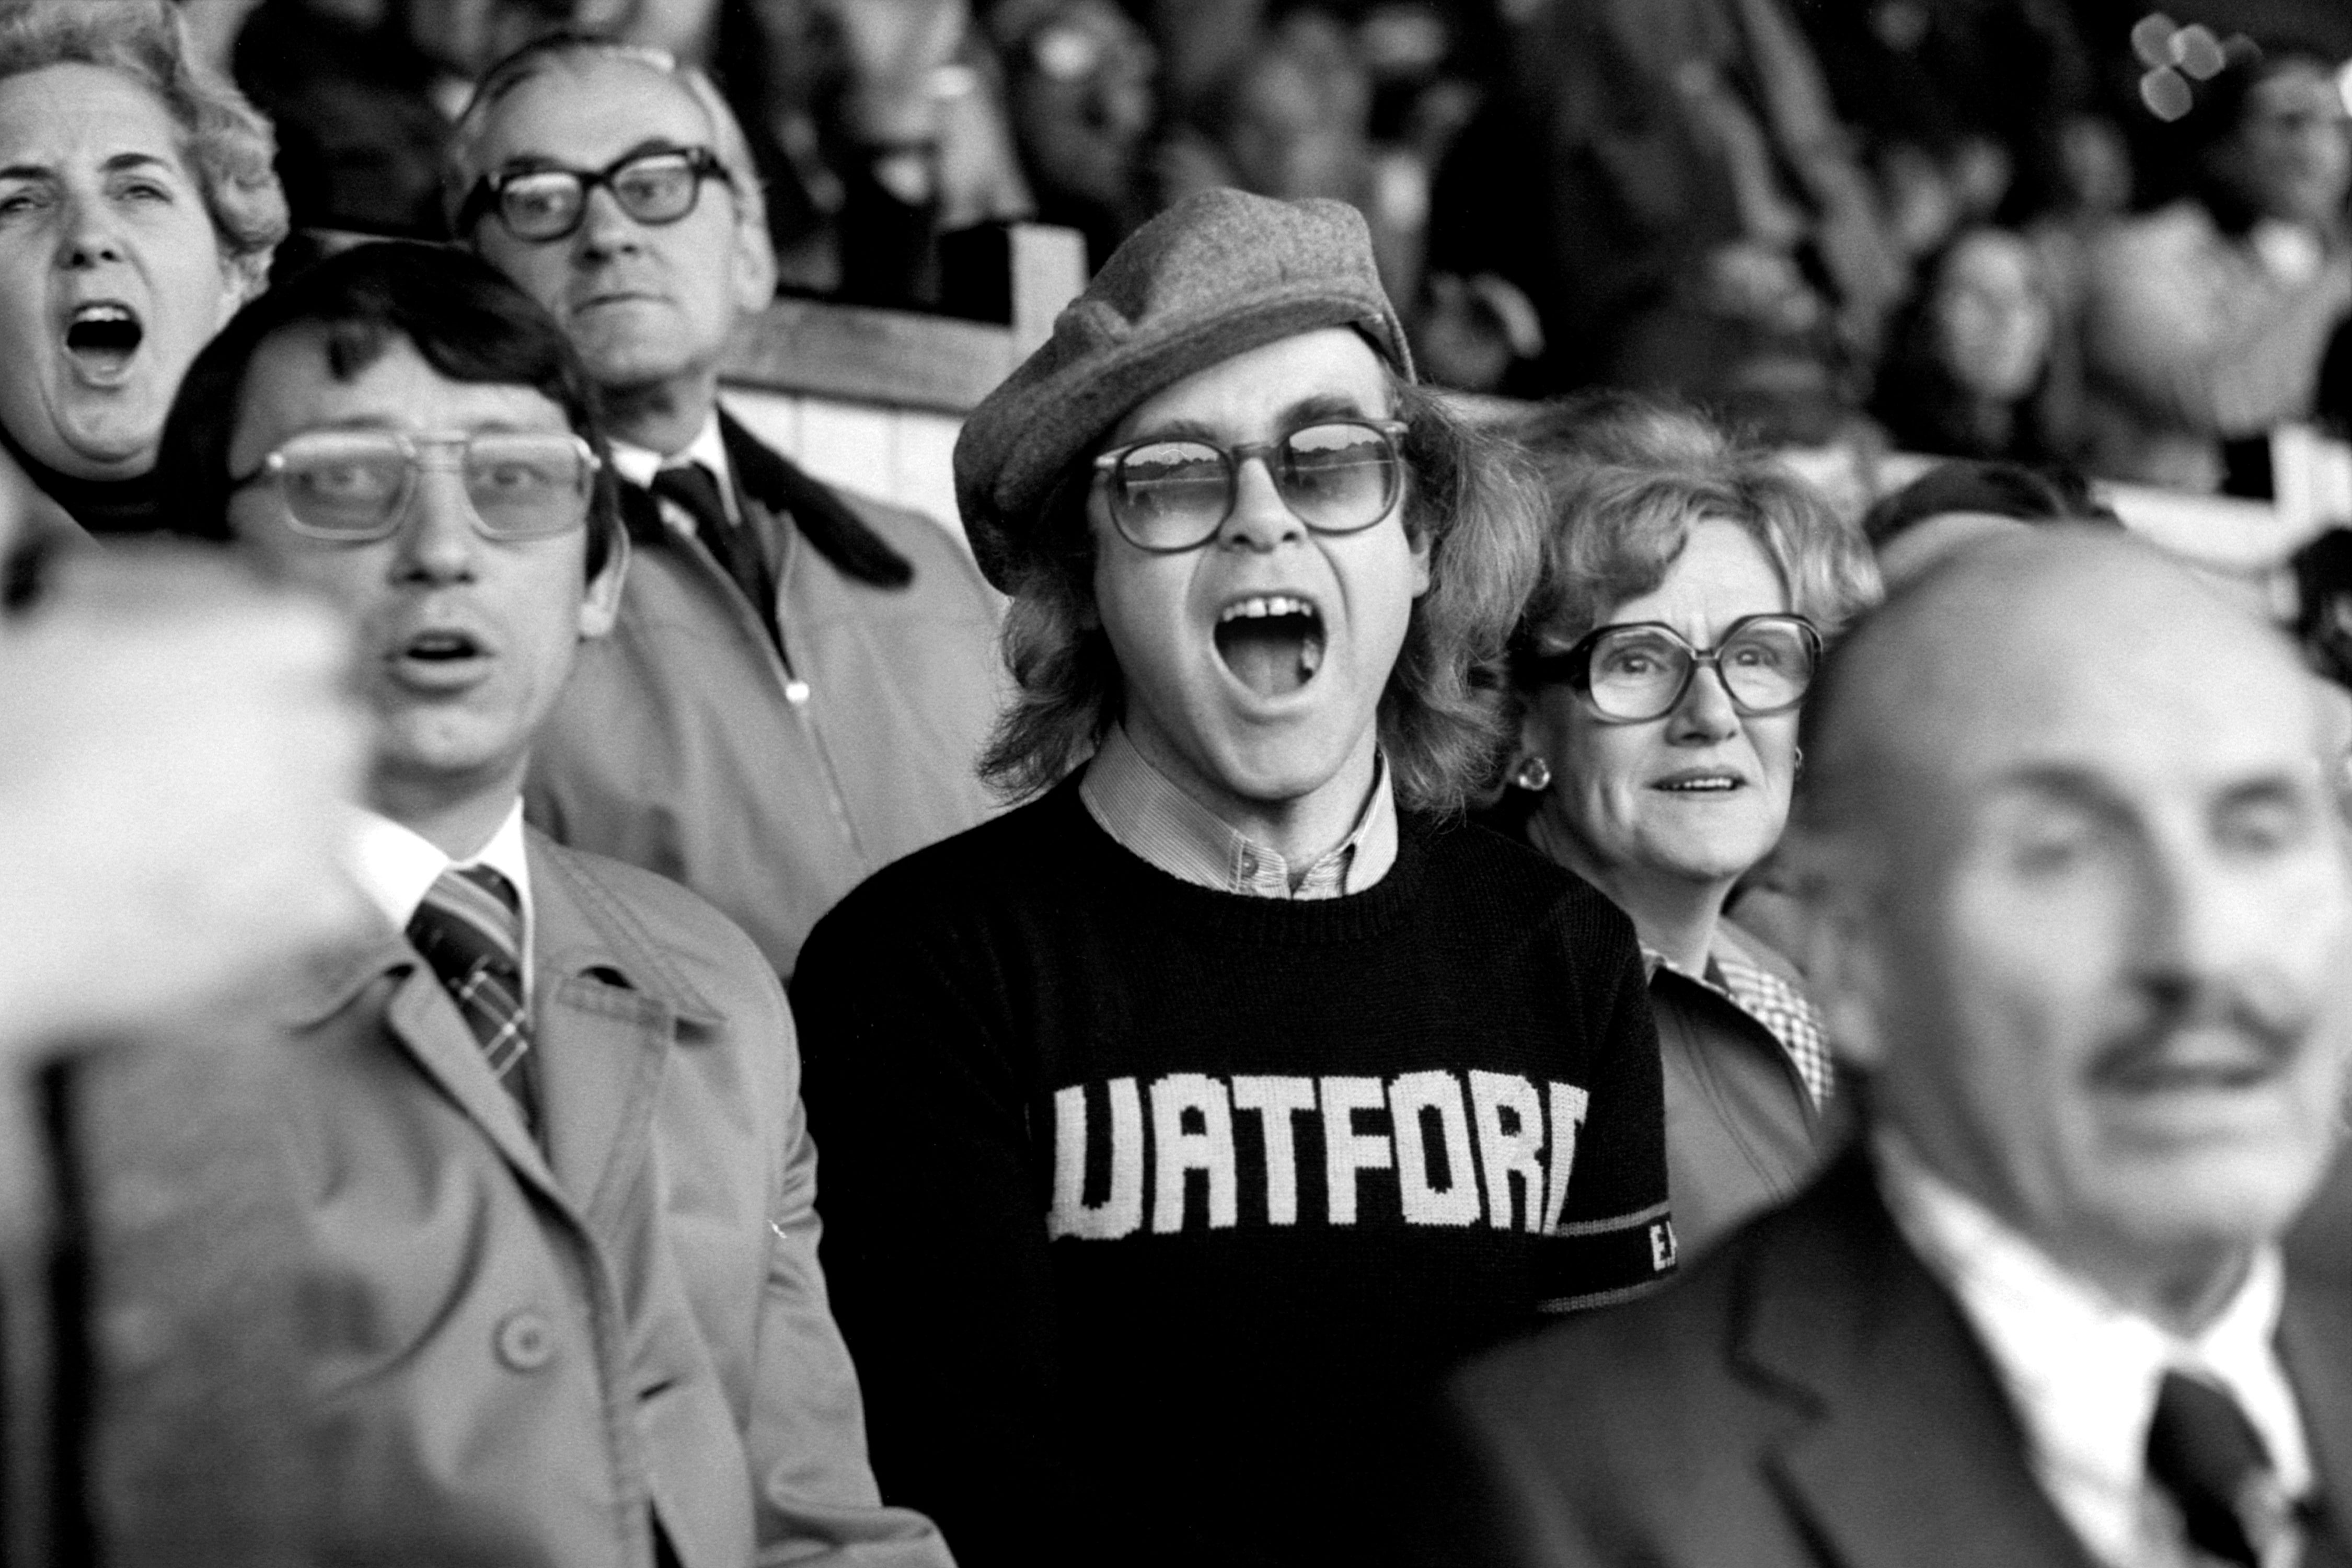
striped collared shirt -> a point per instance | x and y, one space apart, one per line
1149 816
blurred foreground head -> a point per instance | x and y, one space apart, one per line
2083 903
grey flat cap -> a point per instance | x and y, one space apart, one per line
1216 275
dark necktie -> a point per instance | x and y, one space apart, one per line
2203 1451
469 928
692 488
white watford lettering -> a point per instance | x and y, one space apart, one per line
1120 1213
1180 1149
1509 1115
1460 1145
1346 1150
1568 1104
1277 1099
1424 1203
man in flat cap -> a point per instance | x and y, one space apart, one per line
1218 1097
2085 936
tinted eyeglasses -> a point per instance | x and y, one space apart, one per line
1641 670
355 485
1337 476
654 188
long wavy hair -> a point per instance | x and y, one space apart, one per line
1470 494
229 147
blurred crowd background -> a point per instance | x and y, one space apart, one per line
2061 231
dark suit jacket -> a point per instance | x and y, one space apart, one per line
1808 1396
681 743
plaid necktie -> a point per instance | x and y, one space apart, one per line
469 928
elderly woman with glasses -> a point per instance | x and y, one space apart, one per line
1688 583
138 211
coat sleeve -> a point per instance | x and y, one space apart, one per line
935 1234
1614 1220
813 1487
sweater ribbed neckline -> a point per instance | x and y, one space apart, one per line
1237 917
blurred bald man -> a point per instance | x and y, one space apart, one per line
2081 915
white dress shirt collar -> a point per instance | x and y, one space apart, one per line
638 465
396 866
2082 1370
1150 815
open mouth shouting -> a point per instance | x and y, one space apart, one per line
440 659
101 338
1272 643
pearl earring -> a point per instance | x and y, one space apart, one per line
1533 773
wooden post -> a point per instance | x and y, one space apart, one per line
1049 268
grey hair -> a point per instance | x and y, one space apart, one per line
462 165
229 144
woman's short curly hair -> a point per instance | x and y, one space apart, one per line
1471 495
1628 478
228 145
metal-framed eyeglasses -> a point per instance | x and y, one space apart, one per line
353 487
1173 493
1638 671
659 185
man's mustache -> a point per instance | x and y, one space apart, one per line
2265 1014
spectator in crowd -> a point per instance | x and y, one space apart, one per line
362 95
881 132
1970 358
802 679
2205 321
2084 929
1082 92
569 1303
1977 96
1401 1077
137 212
1695 222
1663 782
177 757
920 142
1955 504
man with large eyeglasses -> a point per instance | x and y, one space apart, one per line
545 1110
803 679
1217 1097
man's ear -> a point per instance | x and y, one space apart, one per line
751 261
600 607
1841 923
1421 550
243 278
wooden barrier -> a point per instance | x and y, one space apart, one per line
871 400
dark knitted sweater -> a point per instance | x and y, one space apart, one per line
1151 1212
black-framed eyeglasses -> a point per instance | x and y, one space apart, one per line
1337 476
656 188
353 487
1639 669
